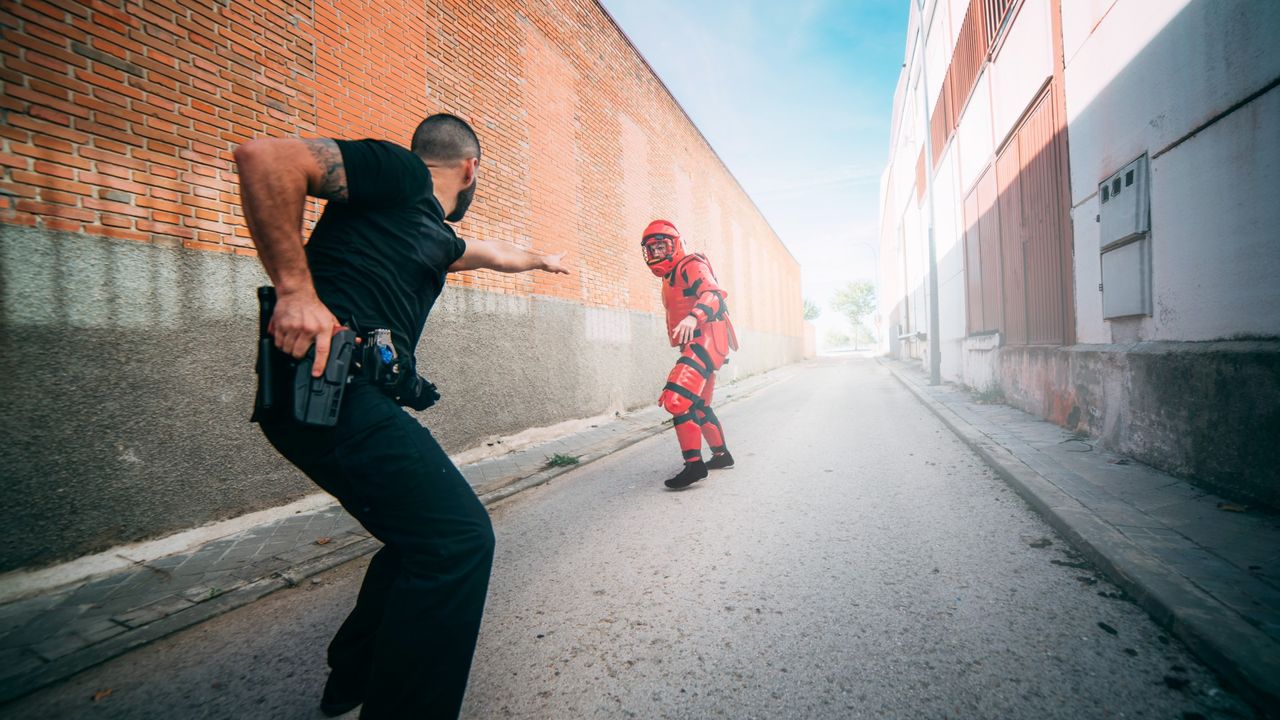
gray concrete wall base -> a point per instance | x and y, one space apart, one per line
128 380
979 355
1208 412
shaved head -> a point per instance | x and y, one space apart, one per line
445 138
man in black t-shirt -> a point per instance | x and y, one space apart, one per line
378 258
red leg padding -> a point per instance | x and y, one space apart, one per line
711 429
689 435
683 385
708 389
686 394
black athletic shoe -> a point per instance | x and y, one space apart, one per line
337 701
334 709
692 473
720 461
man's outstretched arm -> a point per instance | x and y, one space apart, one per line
505 257
276 176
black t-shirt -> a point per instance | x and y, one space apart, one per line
379 259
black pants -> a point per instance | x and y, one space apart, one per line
406 647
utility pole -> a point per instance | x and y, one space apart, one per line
935 360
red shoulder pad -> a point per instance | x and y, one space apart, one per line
693 268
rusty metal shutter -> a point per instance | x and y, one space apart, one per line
973 264
994 13
920 178
940 127
1009 206
983 277
967 58
1030 178
989 238
1042 225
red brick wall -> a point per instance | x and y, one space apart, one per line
119 118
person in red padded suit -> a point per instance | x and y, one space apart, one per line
698 323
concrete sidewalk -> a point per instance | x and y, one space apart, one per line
1206 568
49 635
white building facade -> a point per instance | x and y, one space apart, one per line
1101 180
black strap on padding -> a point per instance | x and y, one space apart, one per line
703 355
682 392
692 454
708 416
687 417
703 371
723 307
692 290
679 268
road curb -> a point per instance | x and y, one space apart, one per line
97 653
1223 640
295 574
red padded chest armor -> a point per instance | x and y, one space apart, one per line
690 278
682 287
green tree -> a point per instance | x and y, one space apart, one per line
855 301
811 310
835 338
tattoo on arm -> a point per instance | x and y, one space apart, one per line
332 183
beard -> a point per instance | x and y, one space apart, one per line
465 196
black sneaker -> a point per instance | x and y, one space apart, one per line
337 701
692 473
334 709
720 461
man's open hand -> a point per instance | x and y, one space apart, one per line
555 264
683 332
301 319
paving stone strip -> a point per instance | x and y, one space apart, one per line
53 635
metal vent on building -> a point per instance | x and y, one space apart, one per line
1126 280
1125 241
1125 204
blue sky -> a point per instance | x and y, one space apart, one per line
797 98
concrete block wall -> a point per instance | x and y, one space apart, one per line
125 251
1204 411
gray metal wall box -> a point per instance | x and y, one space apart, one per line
1126 280
1124 204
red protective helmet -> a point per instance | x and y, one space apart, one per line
662 247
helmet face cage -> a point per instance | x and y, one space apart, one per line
658 248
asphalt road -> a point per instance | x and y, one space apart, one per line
859 562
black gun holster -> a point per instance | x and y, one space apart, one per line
286 389
285 386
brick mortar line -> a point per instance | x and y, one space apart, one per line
1242 655
293 575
